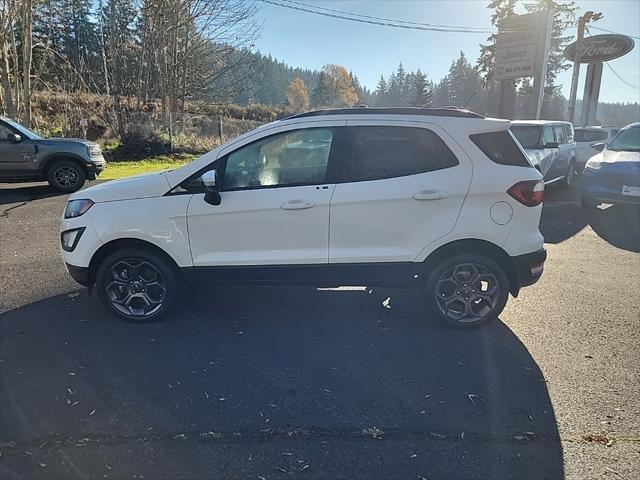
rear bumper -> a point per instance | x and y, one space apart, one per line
529 267
79 274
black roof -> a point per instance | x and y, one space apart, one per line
436 112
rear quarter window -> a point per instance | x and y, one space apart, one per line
501 148
381 152
585 135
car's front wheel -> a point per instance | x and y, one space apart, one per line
66 176
467 290
136 285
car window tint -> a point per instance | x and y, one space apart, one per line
289 158
593 135
548 136
527 135
627 140
387 152
560 134
501 148
4 131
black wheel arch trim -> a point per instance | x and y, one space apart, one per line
50 159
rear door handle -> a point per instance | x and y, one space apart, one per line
431 195
297 205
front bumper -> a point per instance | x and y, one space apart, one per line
602 186
96 166
79 274
529 267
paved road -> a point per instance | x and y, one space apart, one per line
280 383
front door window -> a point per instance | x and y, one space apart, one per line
297 157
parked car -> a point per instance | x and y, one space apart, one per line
66 163
550 147
613 175
585 137
442 199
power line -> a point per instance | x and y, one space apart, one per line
622 79
423 24
375 22
611 31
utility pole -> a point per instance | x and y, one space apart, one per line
582 23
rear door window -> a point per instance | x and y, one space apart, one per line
548 136
501 148
387 151
561 134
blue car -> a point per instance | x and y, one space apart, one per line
613 175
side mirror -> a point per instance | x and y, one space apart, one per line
212 192
551 145
598 146
14 137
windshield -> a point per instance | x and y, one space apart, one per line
24 131
527 135
627 140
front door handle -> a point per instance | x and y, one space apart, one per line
297 205
431 195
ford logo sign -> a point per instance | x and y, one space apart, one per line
600 48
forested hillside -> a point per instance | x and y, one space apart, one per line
153 61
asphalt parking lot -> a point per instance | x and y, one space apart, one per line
279 383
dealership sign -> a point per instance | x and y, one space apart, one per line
518 46
600 48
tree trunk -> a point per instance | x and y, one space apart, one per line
6 82
27 46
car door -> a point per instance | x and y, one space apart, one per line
274 207
402 189
563 152
548 154
16 158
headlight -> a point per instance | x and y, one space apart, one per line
95 150
70 238
75 208
593 164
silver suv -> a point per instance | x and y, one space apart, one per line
65 163
551 148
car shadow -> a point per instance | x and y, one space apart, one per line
563 216
270 382
11 193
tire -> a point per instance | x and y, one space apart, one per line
66 176
137 286
461 301
568 179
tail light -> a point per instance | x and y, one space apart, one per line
529 193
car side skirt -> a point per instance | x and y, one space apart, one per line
315 274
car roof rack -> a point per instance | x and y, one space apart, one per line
364 110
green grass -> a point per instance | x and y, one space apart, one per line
126 168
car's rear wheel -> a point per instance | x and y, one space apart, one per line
66 176
467 290
136 285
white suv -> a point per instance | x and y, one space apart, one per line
444 199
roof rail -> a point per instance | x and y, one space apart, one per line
435 112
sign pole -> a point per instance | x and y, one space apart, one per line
582 21
540 76
591 94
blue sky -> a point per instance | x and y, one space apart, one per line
307 40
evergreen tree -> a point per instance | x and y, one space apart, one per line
502 9
320 96
422 91
381 92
